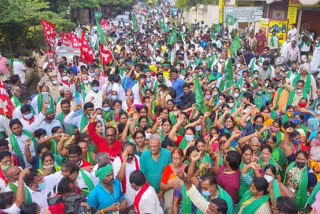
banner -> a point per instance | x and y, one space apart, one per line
264 25
281 28
221 6
292 15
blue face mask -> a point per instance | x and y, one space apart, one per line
114 97
92 74
149 79
29 102
198 128
95 89
106 108
28 116
296 121
296 142
188 137
206 193
41 186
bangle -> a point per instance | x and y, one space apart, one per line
101 211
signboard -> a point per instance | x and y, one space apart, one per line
264 25
244 14
281 28
292 15
294 3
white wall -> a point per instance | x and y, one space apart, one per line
209 14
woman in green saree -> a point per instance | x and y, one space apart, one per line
255 200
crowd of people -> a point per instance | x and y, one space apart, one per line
162 128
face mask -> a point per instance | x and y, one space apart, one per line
114 97
29 102
302 105
215 93
230 105
86 81
92 74
55 82
4 168
296 121
148 135
266 84
258 126
244 89
259 93
106 108
48 167
299 90
148 79
190 77
256 75
300 165
206 193
65 78
198 128
296 142
95 89
268 178
192 61
236 95
207 97
317 112
177 67
188 137
41 186
28 116
274 129
269 91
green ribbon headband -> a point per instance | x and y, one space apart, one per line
165 64
147 69
103 172
49 110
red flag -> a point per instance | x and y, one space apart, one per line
65 39
6 106
105 54
86 53
48 29
76 42
104 24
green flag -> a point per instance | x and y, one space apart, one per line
172 37
228 74
102 36
217 28
134 22
190 27
235 45
231 20
199 95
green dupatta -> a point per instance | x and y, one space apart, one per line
293 93
186 204
253 63
87 180
271 162
254 205
275 189
183 144
40 102
307 83
278 97
16 148
243 186
301 192
16 101
313 194
84 122
27 195
259 101
89 158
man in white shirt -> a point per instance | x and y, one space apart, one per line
95 96
138 89
292 34
30 121
19 68
146 200
18 138
305 43
24 98
41 187
49 122
123 166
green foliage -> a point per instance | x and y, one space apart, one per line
181 4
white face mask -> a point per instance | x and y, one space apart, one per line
268 178
86 81
299 90
148 135
236 94
230 105
55 82
65 78
244 89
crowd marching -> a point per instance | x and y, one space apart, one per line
161 116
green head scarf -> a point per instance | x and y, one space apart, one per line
103 172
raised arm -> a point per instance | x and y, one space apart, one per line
172 133
20 197
288 150
226 145
219 123
156 124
